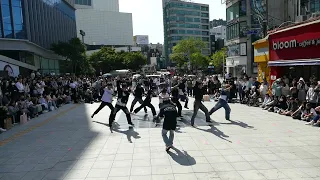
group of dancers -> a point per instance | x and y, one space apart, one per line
170 107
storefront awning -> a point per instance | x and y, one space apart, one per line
297 62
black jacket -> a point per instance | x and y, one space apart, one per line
170 114
198 93
138 92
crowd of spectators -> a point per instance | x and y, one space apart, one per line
289 97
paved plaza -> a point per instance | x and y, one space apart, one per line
68 144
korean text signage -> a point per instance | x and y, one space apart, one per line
294 43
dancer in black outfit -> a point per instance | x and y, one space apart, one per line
147 103
198 92
106 99
175 99
123 96
169 112
138 92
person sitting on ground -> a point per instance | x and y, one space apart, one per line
44 103
308 113
267 99
269 106
292 107
282 105
253 97
316 118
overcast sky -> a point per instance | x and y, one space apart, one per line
147 16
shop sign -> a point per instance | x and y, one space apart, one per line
294 43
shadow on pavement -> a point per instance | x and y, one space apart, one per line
239 123
216 132
129 133
51 150
183 158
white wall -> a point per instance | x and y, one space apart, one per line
106 5
105 27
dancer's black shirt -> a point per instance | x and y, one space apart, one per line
123 96
170 114
175 93
138 92
198 93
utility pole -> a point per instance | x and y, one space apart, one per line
266 20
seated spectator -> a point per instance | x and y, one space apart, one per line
267 100
23 107
281 105
13 109
292 107
253 97
308 113
44 104
51 103
316 118
269 106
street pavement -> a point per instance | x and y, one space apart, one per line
68 144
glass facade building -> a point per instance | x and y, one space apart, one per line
184 20
28 28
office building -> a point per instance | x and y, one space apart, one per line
245 24
103 24
219 32
183 20
27 30
218 22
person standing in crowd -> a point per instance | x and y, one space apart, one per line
123 96
147 103
198 93
169 112
138 93
106 99
189 87
20 87
223 102
312 96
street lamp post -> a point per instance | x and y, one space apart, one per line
83 34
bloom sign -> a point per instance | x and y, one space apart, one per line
296 43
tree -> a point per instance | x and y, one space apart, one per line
218 59
179 59
134 60
107 59
198 60
185 50
73 51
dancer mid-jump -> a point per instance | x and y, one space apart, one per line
106 99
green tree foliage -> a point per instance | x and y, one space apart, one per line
198 60
189 48
107 59
75 53
134 60
218 59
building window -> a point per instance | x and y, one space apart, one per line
204 27
203 8
205 33
83 2
205 39
204 14
243 29
233 31
205 21
233 12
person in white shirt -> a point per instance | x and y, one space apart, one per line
106 99
163 96
20 86
223 102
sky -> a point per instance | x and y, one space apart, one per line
147 16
